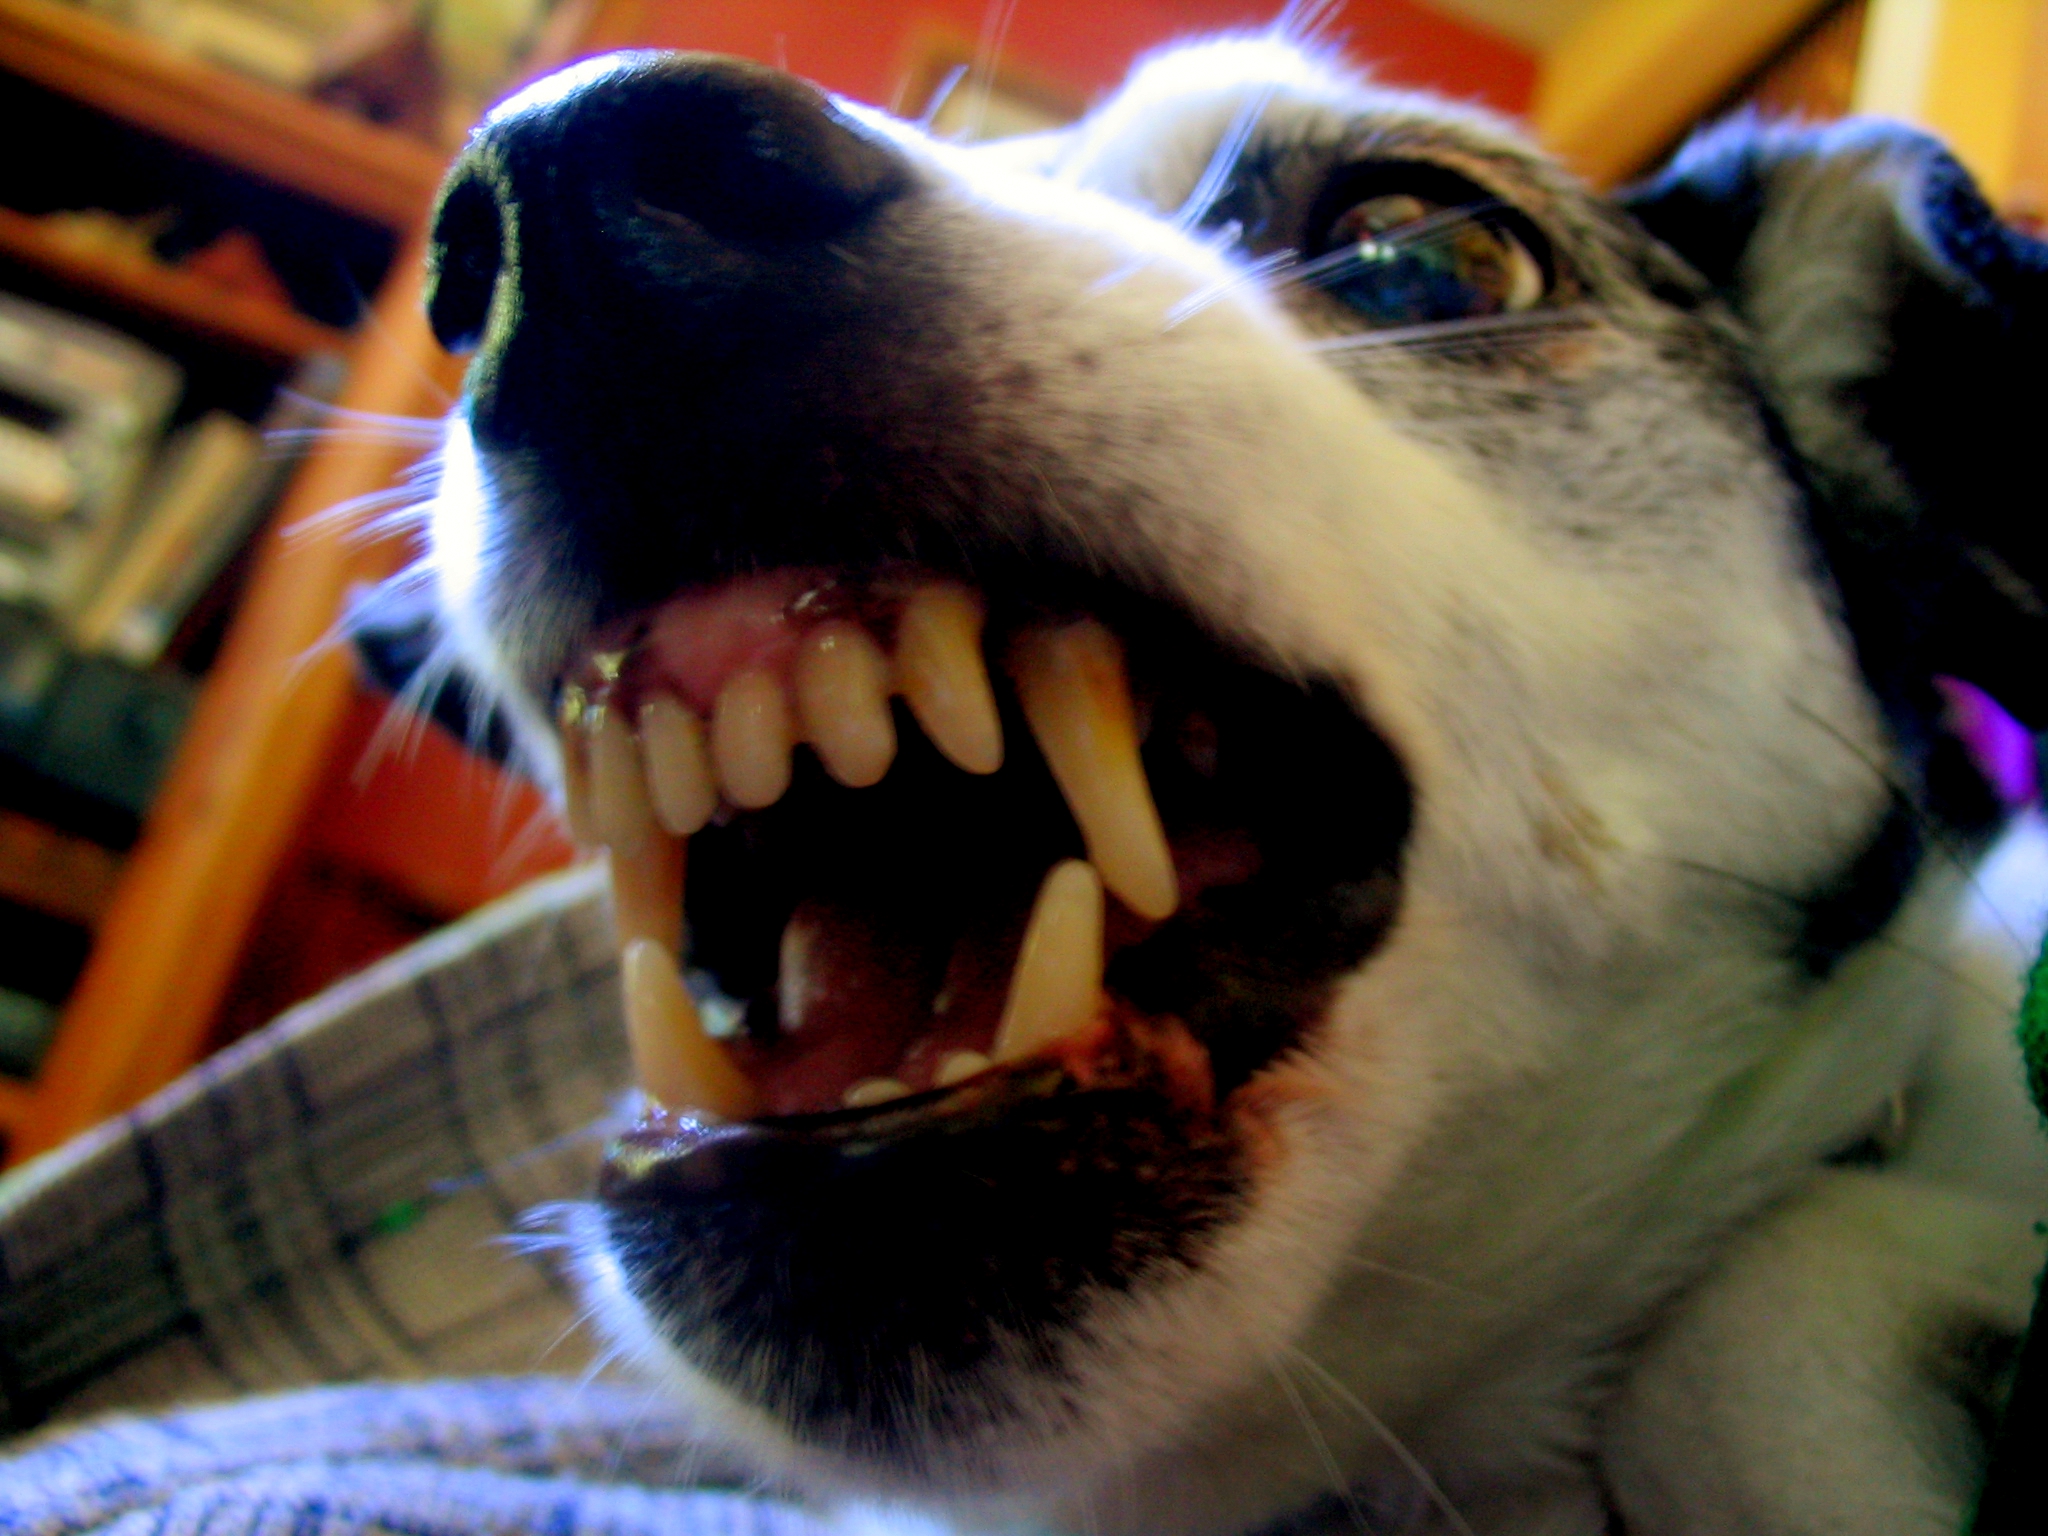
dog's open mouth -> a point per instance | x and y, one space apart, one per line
1025 841
993 917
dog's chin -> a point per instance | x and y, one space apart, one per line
972 1037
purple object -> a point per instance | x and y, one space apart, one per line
2002 747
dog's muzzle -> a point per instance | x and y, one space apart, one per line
965 892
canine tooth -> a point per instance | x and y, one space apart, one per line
1071 683
870 1091
647 892
1057 985
574 732
678 766
676 1062
960 1066
646 862
751 737
940 673
842 696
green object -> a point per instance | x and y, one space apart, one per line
2015 1497
26 1024
2034 1033
398 1217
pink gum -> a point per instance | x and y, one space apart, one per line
693 645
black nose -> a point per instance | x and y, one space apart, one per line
729 151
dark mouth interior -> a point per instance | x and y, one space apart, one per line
907 900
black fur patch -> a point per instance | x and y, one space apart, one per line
875 1287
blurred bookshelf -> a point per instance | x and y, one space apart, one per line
357 166
197 825
153 288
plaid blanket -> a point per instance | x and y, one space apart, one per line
330 1202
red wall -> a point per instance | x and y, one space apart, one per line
862 48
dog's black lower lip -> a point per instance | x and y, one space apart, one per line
659 1148
834 1267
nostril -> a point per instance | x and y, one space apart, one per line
462 266
748 153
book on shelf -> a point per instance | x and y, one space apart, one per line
214 483
26 1025
41 955
198 470
81 409
54 871
277 41
84 740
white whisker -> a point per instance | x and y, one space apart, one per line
1306 23
1932 829
995 35
1340 1485
940 96
1255 274
1342 1394
1446 335
1223 162
1425 1282
349 514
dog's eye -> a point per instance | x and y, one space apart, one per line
1399 259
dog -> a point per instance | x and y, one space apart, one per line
1288 839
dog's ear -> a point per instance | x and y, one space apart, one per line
1900 331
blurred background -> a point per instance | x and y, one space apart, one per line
214 381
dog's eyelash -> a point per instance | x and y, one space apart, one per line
1446 336
1282 271
1285 271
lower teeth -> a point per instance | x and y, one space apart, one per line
960 1066
1056 990
678 1064
871 1091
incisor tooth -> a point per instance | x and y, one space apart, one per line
678 766
676 1062
940 673
646 862
842 696
1071 684
958 1067
1057 986
621 815
750 739
870 1091
573 725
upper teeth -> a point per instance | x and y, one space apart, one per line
641 796
940 673
1071 683
750 738
678 765
842 693
646 862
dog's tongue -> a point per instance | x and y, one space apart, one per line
863 996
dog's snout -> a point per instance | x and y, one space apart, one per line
730 152
748 153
